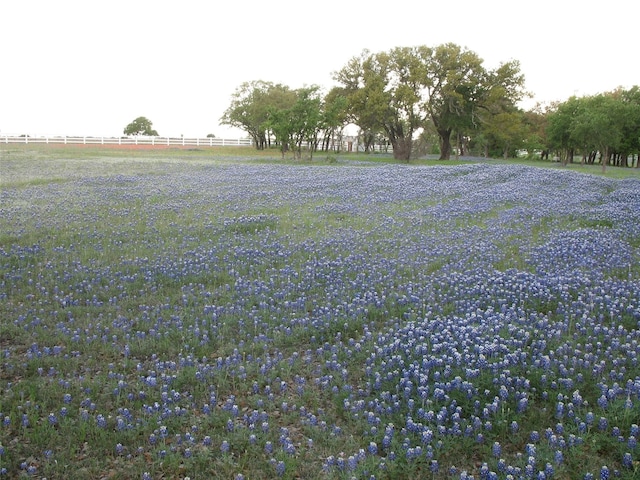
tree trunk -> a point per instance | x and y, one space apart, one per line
605 159
567 157
402 148
464 145
445 143
256 140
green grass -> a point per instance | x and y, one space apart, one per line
611 171
57 162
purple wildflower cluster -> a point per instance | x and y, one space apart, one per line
263 311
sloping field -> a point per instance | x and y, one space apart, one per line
173 318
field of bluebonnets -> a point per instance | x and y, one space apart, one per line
211 317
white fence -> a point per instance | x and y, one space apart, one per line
349 144
139 140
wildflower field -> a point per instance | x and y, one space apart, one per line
219 317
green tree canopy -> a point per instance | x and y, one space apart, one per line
251 105
399 91
334 116
630 144
140 126
559 128
606 123
293 118
505 131
384 93
599 125
535 122
298 123
306 117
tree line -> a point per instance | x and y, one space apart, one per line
438 99
603 127
274 114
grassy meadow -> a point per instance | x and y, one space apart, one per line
224 313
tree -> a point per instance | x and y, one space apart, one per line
251 105
306 117
140 126
298 123
454 83
493 111
598 125
280 125
505 131
535 123
631 129
384 93
607 124
293 118
559 129
334 116
248 112
400 91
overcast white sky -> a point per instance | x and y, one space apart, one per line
78 67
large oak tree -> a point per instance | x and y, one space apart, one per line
399 91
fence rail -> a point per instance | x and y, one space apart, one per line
351 145
139 140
